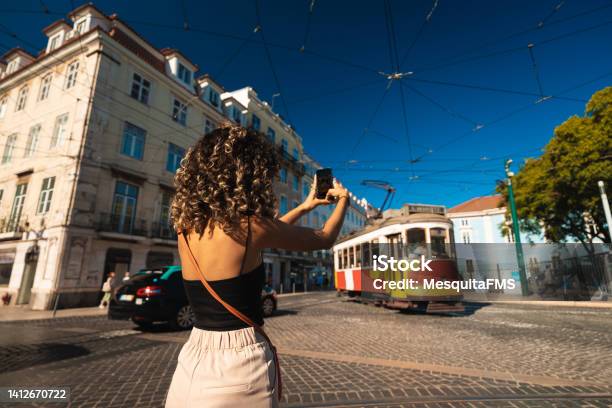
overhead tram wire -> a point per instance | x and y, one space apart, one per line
442 107
535 70
185 20
269 57
235 54
531 29
419 32
395 58
552 13
513 49
490 89
308 23
44 7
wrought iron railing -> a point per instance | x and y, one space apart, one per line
121 224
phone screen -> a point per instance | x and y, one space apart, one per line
325 181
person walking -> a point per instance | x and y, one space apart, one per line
224 212
107 288
126 276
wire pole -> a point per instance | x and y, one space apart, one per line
606 206
517 233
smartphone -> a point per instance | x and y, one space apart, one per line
325 181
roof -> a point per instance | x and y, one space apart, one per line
173 51
55 24
16 50
84 7
479 204
402 219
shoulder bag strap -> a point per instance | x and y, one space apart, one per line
232 309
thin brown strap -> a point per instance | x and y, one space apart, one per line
246 245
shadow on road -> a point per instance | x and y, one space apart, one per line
21 357
469 309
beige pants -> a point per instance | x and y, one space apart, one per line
224 369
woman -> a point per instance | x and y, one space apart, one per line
224 211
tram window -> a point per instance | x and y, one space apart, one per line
351 257
438 245
358 255
339 259
366 254
375 248
416 242
345 257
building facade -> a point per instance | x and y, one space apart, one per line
92 130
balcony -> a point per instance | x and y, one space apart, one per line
292 161
10 228
115 223
163 231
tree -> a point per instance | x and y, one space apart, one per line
558 191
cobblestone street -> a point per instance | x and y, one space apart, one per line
337 352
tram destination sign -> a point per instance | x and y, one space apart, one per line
425 209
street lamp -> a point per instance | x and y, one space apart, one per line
273 97
515 228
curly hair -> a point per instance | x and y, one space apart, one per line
225 176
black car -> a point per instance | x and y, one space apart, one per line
158 295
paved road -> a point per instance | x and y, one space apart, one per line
336 352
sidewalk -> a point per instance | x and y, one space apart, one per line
20 313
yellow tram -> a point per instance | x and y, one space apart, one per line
417 232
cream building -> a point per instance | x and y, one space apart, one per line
92 130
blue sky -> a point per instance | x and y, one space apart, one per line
332 90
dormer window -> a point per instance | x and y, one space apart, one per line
55 42
11 67
184 74
214 98
81 26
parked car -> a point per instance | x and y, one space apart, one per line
158 295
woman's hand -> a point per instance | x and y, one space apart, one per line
312 201
334 194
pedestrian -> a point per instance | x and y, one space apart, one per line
126 276
224 212
107 288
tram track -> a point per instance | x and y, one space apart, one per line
496 399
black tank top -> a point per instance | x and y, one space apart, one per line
242 292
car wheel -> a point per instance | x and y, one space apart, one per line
268 307
184 318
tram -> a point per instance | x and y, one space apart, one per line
415 232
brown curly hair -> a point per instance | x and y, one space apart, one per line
226 175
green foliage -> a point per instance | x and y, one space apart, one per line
559 189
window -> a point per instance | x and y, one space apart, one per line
283 175
272 135
81 26
283 205
165 231
256 123
133 141
46 193
179 112
175 154
54 42
71 74
285 145
209 126
9 147
296 183
236 114
60 130
184 74
32 142
296 154
3 104
466 237
124 207
140 89
465 222
11 67
17 207
305 190
315 219
213 97
294 204
22 97
45 86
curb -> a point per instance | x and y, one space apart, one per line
549 303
